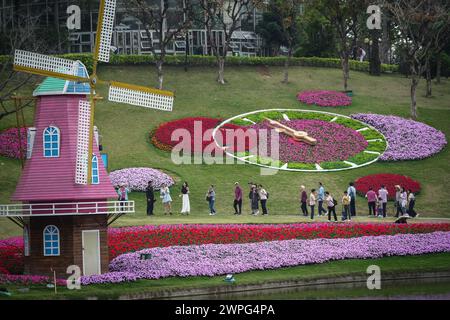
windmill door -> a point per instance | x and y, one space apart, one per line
91 252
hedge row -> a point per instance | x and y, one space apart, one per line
231 61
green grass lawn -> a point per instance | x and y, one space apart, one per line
388 265
124 130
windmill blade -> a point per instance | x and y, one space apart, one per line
47 66
82 160
141 96
104 30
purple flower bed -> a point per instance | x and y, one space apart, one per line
408 139
221 259
9 143
325 98
335 142
137 178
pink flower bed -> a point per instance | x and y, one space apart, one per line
335 142
9 143
324 98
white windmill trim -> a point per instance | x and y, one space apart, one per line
296 110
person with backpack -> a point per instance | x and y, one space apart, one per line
320 199
331 203
263 196
351 191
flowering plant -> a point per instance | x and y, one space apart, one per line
221 259
389 180
27 280
408 139
137 178
199 129
129 239
10 144
324 98
335 142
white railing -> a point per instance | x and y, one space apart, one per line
66 209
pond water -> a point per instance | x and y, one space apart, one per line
435 289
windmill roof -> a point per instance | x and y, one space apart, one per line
54 86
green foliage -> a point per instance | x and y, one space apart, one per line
372 134
334 165
377 146
210 61
363 157
302 166
350 123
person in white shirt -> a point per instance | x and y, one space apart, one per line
312 202
362 54
331 206
263 199
403 201
383 194
351 191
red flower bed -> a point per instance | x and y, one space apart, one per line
122 240
363 184
199 128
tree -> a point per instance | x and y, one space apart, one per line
227 16
421 25
168 18
343 15
269 28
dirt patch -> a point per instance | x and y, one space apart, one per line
264 72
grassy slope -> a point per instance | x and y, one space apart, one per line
124 130
401 265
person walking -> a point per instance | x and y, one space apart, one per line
166 199
383 195
237 204
331 203
186 205
304 201
346 207
254 200
312 202
403 201
380 208
351 191
150 195
320 199
211 198
411 204
123 195
397 201
263 196
371 201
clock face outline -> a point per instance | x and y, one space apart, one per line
367 156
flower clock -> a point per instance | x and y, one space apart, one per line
304 140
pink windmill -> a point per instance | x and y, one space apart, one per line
64 188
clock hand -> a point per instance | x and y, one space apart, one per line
301 136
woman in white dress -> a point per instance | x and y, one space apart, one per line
186 207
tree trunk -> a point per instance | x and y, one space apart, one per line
345 69
375 63
428 76
438 68
159 67
287 62
221 64
414 83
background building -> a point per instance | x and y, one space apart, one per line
129 36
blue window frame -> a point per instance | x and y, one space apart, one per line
51 241
51 142
95 175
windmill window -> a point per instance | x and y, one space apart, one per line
51 241
51 142
95 175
